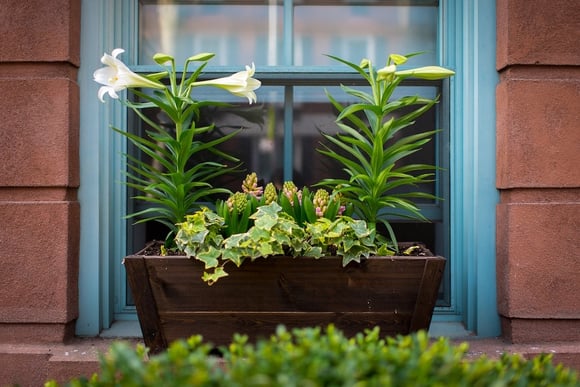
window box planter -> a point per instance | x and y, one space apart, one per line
397 294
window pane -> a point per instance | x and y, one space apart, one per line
314 114
260 143
242 32
239 34
354 32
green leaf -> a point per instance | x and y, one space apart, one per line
373 152
212 277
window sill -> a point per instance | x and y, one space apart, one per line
131 330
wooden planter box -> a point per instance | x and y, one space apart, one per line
396 293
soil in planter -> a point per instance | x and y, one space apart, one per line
412 249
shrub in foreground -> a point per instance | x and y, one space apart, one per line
315 357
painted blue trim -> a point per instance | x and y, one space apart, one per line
288 147
90 165
470 35
288 32
486 77
124 34
101 196
288 39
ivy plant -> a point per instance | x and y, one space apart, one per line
273 233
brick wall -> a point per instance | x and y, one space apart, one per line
538 169
39 119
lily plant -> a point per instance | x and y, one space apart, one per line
173 183
371 143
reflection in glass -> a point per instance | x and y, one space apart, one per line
260 143
313 114
363 31
238 34
242 32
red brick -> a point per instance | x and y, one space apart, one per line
40 31
27 368
39 133
36 333
538 32
39 258
537 132
518 331
538 270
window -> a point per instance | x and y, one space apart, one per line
286 40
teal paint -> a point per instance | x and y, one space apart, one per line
88 194
470 36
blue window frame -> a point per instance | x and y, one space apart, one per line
292 77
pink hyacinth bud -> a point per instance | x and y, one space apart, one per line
289 189
251 187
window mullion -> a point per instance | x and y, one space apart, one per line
288 133
288 39
125 36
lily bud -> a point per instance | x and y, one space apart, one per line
386 73
398 59
428 72
364 63
201 57
161 59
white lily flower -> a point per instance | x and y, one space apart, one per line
117 76
240 84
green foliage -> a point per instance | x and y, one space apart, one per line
346 237
306 207
200 236
313 357
371 149
273 232
171 178
238 208
302 205
257 222
167 180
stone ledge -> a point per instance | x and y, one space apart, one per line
31 365
566 353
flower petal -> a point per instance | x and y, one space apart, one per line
117 51
107 89
240 84
116 76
